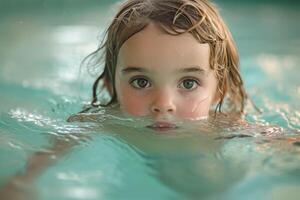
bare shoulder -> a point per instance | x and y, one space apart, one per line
89 114
236 126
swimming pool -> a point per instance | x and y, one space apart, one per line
42 45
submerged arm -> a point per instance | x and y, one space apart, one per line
20 186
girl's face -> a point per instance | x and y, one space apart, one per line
165 77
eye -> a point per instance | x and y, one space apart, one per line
189 84
140 83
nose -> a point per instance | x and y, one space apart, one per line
163 102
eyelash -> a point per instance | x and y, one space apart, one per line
134 84
133 80
195 80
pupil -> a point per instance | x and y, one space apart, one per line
188 84
142 83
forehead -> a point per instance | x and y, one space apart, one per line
153 47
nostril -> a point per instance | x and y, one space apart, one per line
162 108
170 110
156 110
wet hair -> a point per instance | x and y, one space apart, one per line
200 18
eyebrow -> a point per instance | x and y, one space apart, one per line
133 69
197 69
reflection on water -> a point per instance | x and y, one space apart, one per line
110 156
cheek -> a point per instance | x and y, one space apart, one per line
131 103
193 108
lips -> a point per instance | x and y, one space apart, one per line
162 126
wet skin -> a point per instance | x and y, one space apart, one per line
165 77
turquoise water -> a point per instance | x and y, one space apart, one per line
41 84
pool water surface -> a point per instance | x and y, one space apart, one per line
113 157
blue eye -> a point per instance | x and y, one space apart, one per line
189 84
140 83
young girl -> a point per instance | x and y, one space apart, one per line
166 60
169 60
